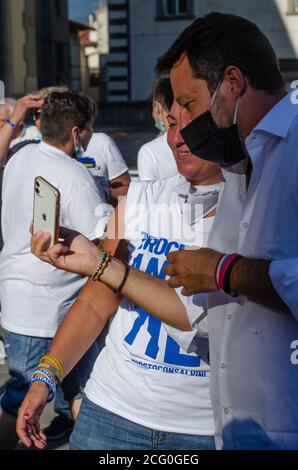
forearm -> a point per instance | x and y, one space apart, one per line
83 323
6 136
150 293
250 278
119 186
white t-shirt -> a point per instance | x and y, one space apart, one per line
35 296
142 374
156 160
28 133
109 161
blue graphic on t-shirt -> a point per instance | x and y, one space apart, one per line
172 350
153 328
173 355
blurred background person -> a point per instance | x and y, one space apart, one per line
108 167
21 131
155 158
102 157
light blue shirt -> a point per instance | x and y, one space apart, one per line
254 349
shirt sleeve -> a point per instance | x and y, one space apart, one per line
284 277
197 307
146 165
88 212
115 162
197 316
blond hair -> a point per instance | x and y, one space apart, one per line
46 91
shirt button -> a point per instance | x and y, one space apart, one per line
226 411
229 317
245 225
223 366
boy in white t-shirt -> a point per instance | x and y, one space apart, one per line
144 391
110 169
155 158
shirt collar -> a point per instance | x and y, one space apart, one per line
183 185
279 119
49 149
185 188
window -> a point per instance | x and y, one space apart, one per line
293 7
174 9
60 59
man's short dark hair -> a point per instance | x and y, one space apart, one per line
218 40
162 91
63 111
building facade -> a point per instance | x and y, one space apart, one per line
34 44
140 31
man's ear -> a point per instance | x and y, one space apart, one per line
157 108
236 80
75 132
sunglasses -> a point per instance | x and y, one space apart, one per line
36 114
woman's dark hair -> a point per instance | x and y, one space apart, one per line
218 40
63 111
162 91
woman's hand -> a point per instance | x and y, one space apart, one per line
30 411
76 253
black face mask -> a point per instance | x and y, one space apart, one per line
210 142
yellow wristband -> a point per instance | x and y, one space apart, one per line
54 361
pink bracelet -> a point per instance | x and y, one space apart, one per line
222 268
217 270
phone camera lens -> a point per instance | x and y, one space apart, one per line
37 190
37 184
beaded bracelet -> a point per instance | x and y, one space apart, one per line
118 290
49 382
105 258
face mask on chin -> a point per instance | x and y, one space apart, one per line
161 127
78 150
210 142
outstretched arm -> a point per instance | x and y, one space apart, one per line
85 320
77 254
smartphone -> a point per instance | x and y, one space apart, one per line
46 208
